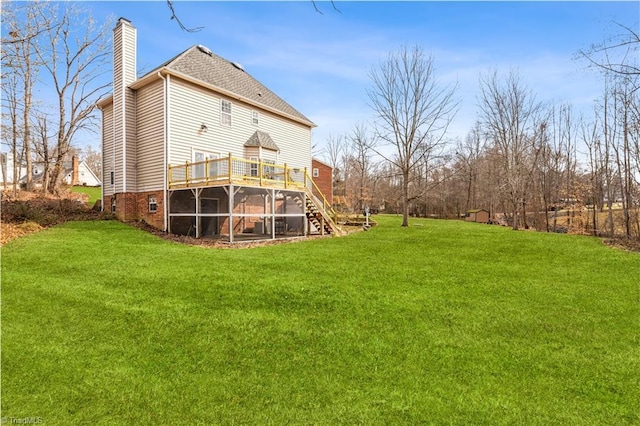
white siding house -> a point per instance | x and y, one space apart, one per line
200 147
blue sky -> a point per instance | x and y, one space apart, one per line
319 63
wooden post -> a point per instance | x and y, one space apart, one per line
230 167
260 170
232 197
186 166
286 176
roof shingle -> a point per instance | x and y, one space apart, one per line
200 63
260 138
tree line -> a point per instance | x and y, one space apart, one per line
530 164
53 56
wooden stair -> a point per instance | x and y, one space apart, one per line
320 215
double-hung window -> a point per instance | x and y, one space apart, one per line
153 204
225 113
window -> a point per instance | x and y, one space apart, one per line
153 204
198 170
113 178
253 167
225 113
316 172
255 118
113 204
268 169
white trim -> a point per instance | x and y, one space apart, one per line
124 109
165 105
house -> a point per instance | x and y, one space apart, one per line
75 172
79 173
322 175
199 147
477 215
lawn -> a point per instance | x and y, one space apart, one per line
443 322
94 192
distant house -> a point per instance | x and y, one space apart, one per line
75 172
322 174
199 147
477 215
79 173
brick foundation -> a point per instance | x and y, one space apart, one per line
131 206
155 219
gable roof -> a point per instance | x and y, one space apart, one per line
202 66
262 139
316 160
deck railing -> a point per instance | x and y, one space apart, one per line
233 170
220 171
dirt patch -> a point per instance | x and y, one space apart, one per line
628 244
26 212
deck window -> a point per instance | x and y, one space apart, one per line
199 170
268 169
253 167
225 113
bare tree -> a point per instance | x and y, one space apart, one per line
19 56
413 111
361 143
93 160
333 151
511 117
618 54
42 145
75 54
10 121
468 154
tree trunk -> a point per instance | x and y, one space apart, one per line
405 199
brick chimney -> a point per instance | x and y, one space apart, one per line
74 172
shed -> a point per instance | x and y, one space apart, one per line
477 215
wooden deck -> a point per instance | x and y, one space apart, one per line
239 171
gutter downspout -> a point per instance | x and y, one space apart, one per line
165 105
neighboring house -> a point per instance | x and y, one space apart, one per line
477 215
322 174
78 173
75 172
199 147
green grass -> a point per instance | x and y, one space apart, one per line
94 192
442 323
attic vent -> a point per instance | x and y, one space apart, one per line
237 65
205 49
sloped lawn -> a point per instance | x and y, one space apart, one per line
93 192
440 323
